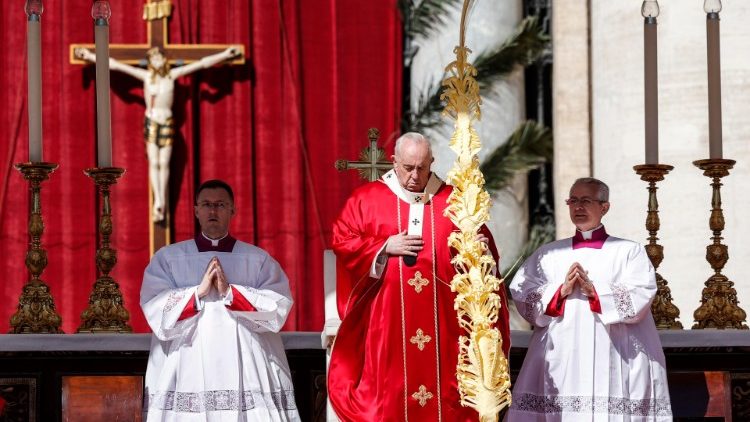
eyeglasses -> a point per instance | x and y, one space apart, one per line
584 202
219 206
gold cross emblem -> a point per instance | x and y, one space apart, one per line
418 282
420 339
422 395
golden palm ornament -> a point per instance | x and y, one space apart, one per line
482 370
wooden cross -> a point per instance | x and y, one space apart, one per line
420 339
371 164
156 13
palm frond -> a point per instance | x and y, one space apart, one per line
541 232
423 18
525 46
521 49
528 147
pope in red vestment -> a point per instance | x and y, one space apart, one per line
395 354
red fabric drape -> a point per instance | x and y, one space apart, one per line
320 73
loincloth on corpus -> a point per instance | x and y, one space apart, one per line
158 134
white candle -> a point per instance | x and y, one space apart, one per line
34 9
100 12
650 11
712 9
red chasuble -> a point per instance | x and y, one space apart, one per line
395 355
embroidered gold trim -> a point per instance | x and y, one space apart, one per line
403 314
420 339
418 282
422 395
435 312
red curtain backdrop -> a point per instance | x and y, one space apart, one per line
319 74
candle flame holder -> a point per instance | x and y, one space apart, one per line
36 309
665 313
105 312
719 306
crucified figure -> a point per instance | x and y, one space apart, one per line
158 91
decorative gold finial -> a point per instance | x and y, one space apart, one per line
482 371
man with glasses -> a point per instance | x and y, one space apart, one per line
595 353
395 354
215 305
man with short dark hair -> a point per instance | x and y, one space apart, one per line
215 305
595 354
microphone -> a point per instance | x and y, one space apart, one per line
409 260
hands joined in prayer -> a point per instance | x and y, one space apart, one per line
577 275
214 277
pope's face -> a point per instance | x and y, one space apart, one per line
412 165
586 210
214 209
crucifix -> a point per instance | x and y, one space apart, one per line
157 55
371 164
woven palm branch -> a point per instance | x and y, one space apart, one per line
482 370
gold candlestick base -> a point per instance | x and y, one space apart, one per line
36 309
664 311
719 306
105 312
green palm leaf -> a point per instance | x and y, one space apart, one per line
425 17
521 49
528 147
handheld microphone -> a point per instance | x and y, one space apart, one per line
409 260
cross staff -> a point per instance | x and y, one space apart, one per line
371 165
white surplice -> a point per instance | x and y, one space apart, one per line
219 365
582 365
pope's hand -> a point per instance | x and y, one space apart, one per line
404 244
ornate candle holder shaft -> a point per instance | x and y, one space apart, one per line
36 309
105 312
664 311
719 307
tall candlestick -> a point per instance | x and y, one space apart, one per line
650 11
101 12
712 9
34 9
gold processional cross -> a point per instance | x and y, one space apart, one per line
156 14
371 164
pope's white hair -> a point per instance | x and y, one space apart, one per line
415 137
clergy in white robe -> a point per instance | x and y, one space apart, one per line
595 354
215 306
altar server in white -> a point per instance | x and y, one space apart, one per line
595 354
215 305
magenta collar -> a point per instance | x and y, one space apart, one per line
596 242
225 245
